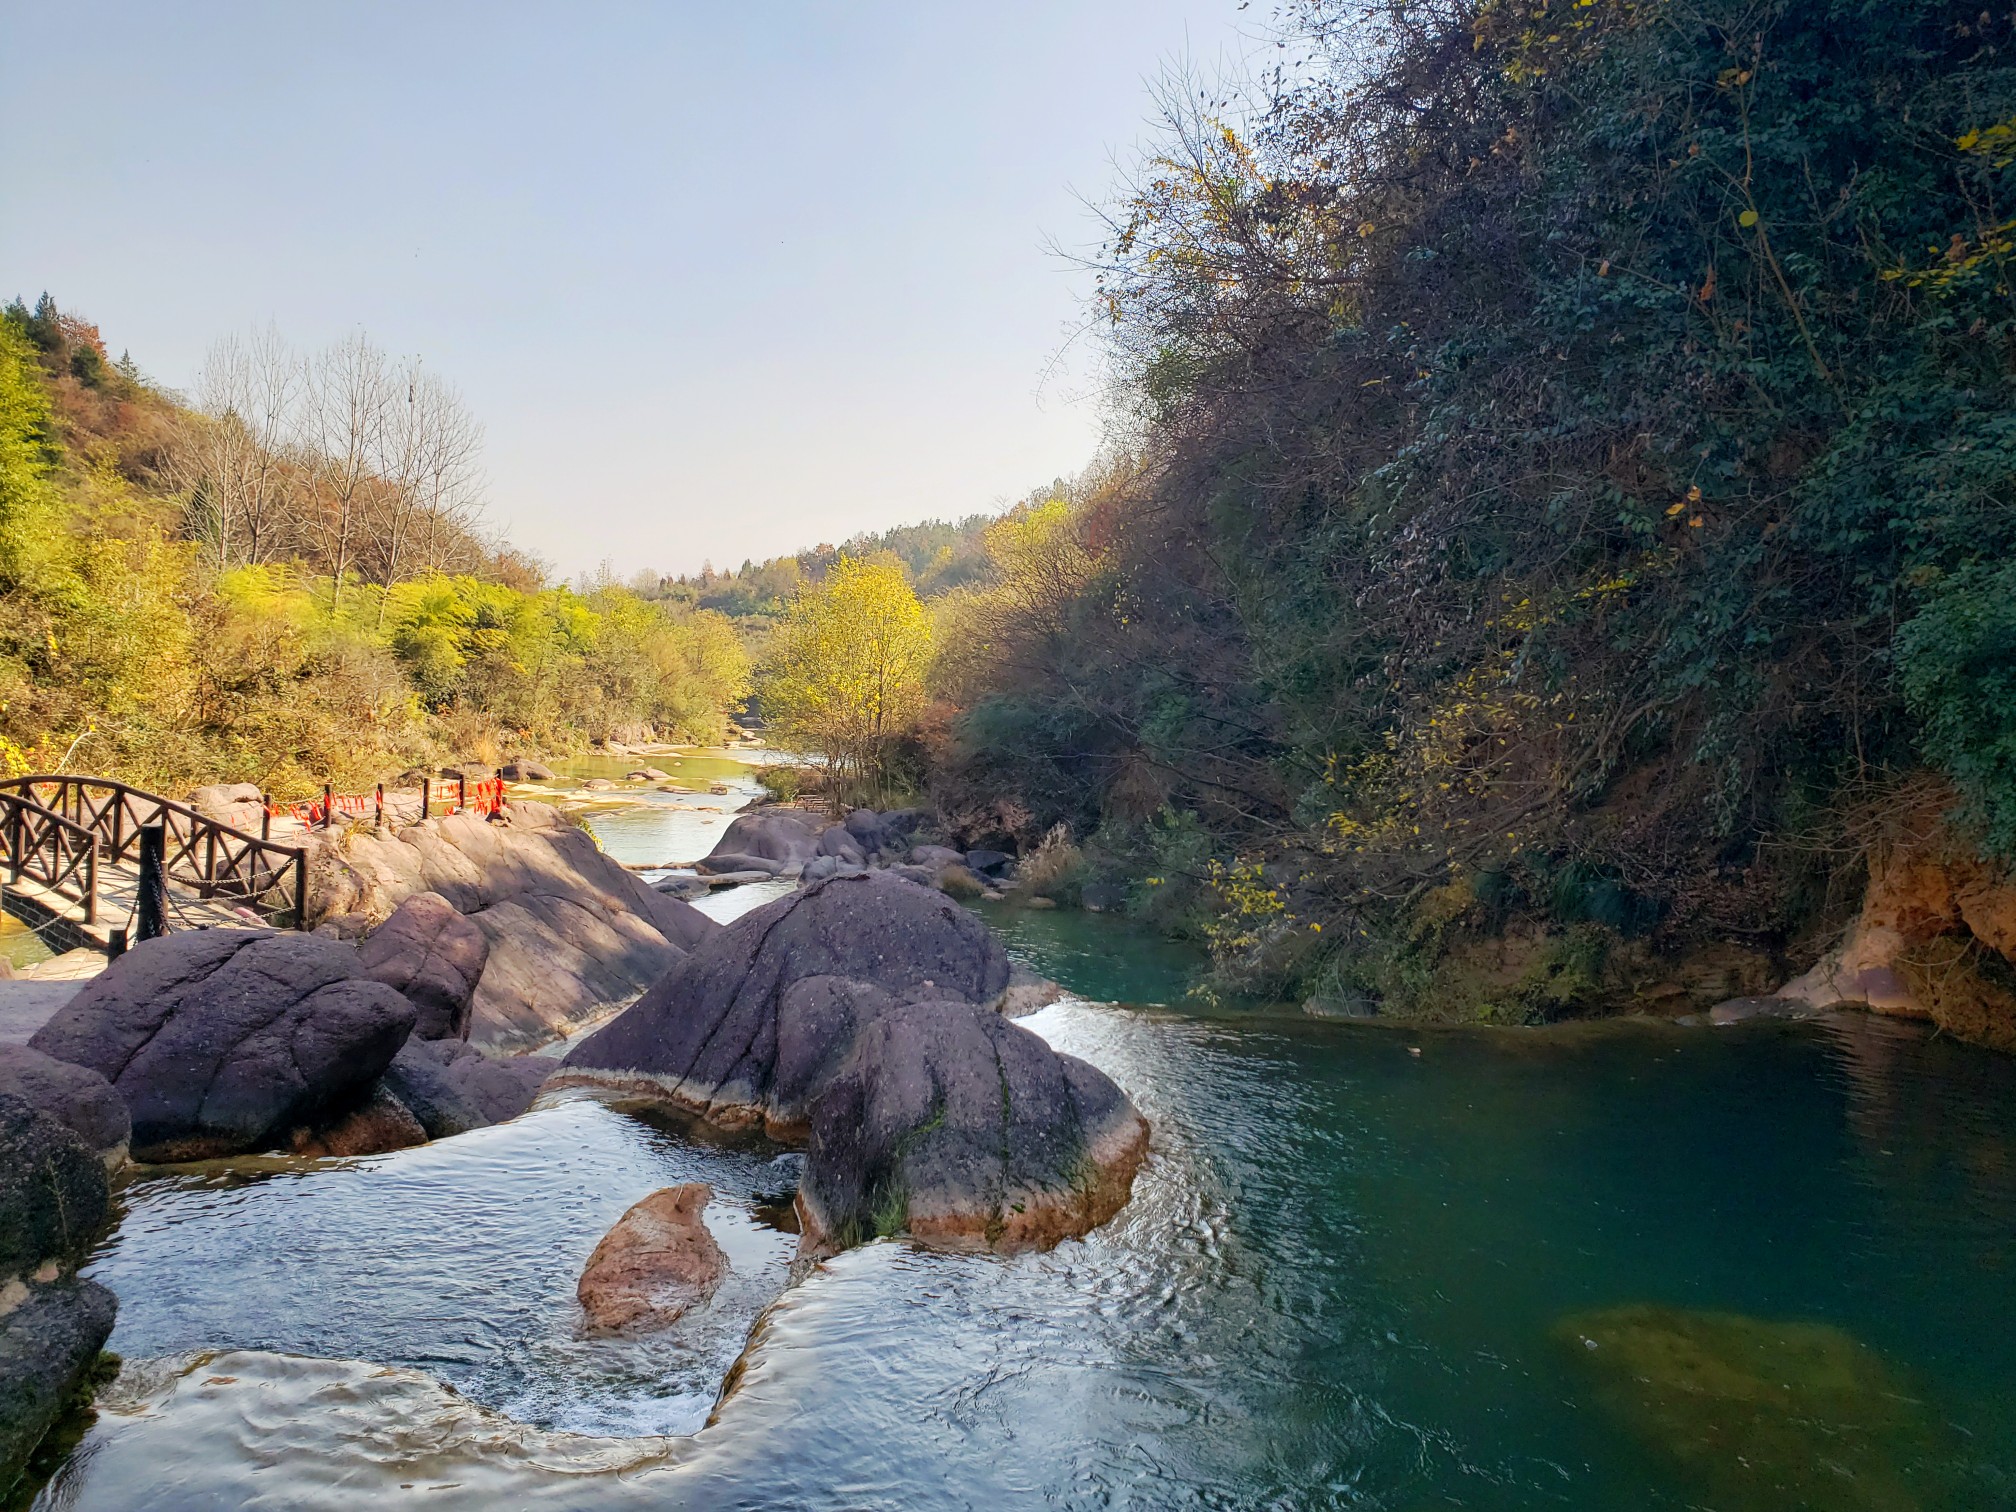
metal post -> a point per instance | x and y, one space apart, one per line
91 883
461 792
265 817
328 805
426 797
115 946
381 805
300 891
150 911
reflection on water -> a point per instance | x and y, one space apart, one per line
1344 1282
458 1258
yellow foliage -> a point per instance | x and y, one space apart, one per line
845 674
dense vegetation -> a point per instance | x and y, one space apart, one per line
241 589
1569 499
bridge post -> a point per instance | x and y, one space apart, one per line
150 911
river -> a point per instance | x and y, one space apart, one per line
1613 1266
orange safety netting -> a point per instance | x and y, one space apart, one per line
447 797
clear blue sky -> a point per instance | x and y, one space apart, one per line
721 281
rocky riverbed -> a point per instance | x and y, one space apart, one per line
860 1019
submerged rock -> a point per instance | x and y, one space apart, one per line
1759 1414
222 1041
379 1123
655 1263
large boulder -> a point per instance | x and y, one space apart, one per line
75 1096
655 1263
841 844
225 1040
955 1126
570 933
53 1192
452 1088
858 1016
520 769
50 1342
53 1201
707 1035
789 837
433 955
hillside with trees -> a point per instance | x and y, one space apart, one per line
1568 509
283 579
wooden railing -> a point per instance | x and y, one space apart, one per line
50 850
202 855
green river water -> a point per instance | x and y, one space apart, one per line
1615 1266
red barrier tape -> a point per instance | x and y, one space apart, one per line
485 798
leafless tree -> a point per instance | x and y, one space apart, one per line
429 492
236 458
350 411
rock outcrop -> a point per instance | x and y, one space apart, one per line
238 804
433 955
53 1200
570 932
222 1041
859 1017
77 1097
1936 939
657 1261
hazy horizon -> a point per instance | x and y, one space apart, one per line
718 286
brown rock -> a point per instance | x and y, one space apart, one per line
381 1123
655 1263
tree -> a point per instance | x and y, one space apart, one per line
350 405
234 461
427 501
845 675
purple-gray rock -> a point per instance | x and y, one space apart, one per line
224 1040
53 1193
453 1088
727 863
75 1096
435 956
787 837
49 1343
708 1033
950 1124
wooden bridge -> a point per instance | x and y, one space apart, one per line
72 862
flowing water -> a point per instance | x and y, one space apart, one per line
1621 1266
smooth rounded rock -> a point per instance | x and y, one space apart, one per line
225 1040
435 956
75 1096
657 1261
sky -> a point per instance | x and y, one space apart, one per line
721 281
